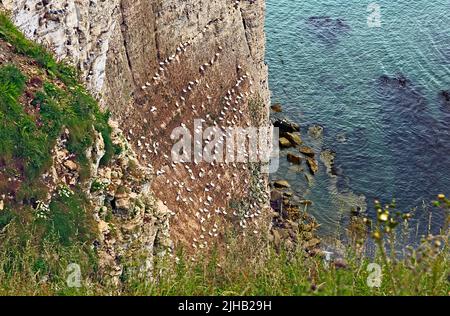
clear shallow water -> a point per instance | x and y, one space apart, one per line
391 136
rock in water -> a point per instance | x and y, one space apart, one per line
277 108
445 95
294 138
307 151
315 131
288 194
285 143
306 202
294 159
286 126
281 184
328 156
313 165
275 195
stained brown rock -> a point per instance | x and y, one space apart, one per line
294 138
307 151
285 143
72 166
281 184
313 165
276 195
295 159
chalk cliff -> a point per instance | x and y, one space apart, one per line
158 64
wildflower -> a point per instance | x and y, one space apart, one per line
441 197
376 235
406 216
383 217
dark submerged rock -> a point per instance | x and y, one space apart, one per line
328 29
285 125
307 151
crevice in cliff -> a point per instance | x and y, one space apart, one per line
123 28
155 31
247 40
156 9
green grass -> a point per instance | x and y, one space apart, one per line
250 266
69 218
20 138
28 133
281 274
260 272
79 112
27 268
72 107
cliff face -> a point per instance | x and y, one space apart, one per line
159 64
125 38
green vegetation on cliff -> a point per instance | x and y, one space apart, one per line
251 266
42 56
41 99
70 106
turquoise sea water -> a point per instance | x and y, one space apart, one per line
375 90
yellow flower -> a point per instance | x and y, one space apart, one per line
376 235
406 216
441 196
383 217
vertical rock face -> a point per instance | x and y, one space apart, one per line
76 30
158 64
128 38
150 32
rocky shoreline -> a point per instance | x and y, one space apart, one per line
293 225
